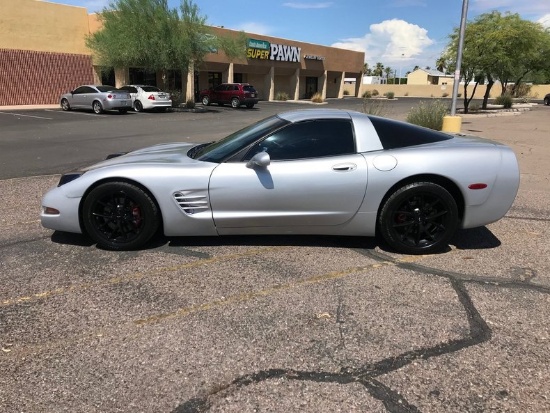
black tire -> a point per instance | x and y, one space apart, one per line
120 216
65 105
206 100
97 107
419 218
547 101
250 105
138 107
161 110
235 103
123 111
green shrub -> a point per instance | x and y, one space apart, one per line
406 94
445 94
376 107
317 98
346 92
389 95
367 94
375 92
428 114
474 107
281 96
504 100
177 98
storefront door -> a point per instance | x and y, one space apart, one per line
311 86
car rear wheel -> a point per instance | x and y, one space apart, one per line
138 107
97 107
235 103
65 105
250 105
120 216
206 100
547 101
419 218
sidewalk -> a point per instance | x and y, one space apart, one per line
29 107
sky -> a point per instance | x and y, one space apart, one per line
401 34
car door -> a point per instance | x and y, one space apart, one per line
80 97
315 178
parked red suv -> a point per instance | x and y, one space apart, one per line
236 94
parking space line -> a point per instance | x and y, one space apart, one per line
132 277
251 295
74 112
25 116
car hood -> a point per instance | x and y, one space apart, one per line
170 153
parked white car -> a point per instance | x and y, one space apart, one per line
148 97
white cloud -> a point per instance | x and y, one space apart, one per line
545 20
323 5
253 27
393 42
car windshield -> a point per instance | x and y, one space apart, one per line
230 145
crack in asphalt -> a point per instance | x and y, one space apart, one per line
393 401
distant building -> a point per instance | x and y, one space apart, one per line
43 54
429 77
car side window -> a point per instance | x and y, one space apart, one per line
308 139
80 90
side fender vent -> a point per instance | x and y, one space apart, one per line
191 204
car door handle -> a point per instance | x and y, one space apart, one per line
344 167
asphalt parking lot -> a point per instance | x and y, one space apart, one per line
266 324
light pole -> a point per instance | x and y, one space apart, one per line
401 66
453 123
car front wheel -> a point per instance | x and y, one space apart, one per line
120 216
235 103
65 105
97 107
419 218
205 100
547 101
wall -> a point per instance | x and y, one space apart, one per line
435 91
43 27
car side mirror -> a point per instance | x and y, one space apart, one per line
261 159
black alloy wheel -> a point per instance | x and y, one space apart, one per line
419 218
120 216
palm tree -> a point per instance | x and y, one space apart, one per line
378 69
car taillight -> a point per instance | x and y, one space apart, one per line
110 96
151 97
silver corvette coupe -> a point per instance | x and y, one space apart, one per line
301 172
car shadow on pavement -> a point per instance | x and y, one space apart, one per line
469 239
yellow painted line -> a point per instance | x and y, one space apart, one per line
135 276
251 295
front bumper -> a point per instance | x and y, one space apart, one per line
67 220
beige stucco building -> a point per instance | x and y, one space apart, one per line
43 54
429 77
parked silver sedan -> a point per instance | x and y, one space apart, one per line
98 98
301 172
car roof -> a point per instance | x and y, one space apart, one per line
309 114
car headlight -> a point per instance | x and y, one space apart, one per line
71 176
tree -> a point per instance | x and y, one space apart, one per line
498 47
150 35
388 71
378 69
440 64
